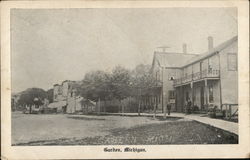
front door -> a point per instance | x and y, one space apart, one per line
202 98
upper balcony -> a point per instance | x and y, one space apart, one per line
212 73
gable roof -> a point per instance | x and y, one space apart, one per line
212 52
171 59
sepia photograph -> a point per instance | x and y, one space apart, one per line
109 77
124 76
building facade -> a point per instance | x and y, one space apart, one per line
208 79
61 94
165 67
63 91
67 100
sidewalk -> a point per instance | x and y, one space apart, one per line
218 123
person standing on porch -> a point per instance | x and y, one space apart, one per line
169 108
189 104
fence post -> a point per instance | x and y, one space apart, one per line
99 106
230 111
226 111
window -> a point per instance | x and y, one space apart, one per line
171 94
232 61
210 96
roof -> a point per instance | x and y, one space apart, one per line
212 52
171 59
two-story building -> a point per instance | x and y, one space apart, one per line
206 79
67 100
210 79
165 67
61 94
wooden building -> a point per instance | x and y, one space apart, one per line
208 79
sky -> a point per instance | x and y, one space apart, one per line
49 46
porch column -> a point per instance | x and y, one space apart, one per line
192 94
162 105
206 93
156 101
182 99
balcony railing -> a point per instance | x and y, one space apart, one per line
197 76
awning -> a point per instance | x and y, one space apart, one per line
59 104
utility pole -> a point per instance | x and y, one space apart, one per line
139 107
155 99
163 48
164 106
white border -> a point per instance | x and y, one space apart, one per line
153 151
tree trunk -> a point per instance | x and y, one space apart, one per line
139 107
30 108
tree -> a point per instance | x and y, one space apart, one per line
106 86
142 81
32 96
95 85
120 82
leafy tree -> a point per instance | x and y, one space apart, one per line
95 85
32 96
142 77
120 81
142 81
119 84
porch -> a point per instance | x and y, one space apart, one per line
198 76
203 93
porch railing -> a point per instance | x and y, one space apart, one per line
207 73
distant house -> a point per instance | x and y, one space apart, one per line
208 79
60 95
66 100
80 105
61 92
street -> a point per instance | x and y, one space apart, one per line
62 129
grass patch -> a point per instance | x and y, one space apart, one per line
182 132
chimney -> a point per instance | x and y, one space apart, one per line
210 43
184 47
